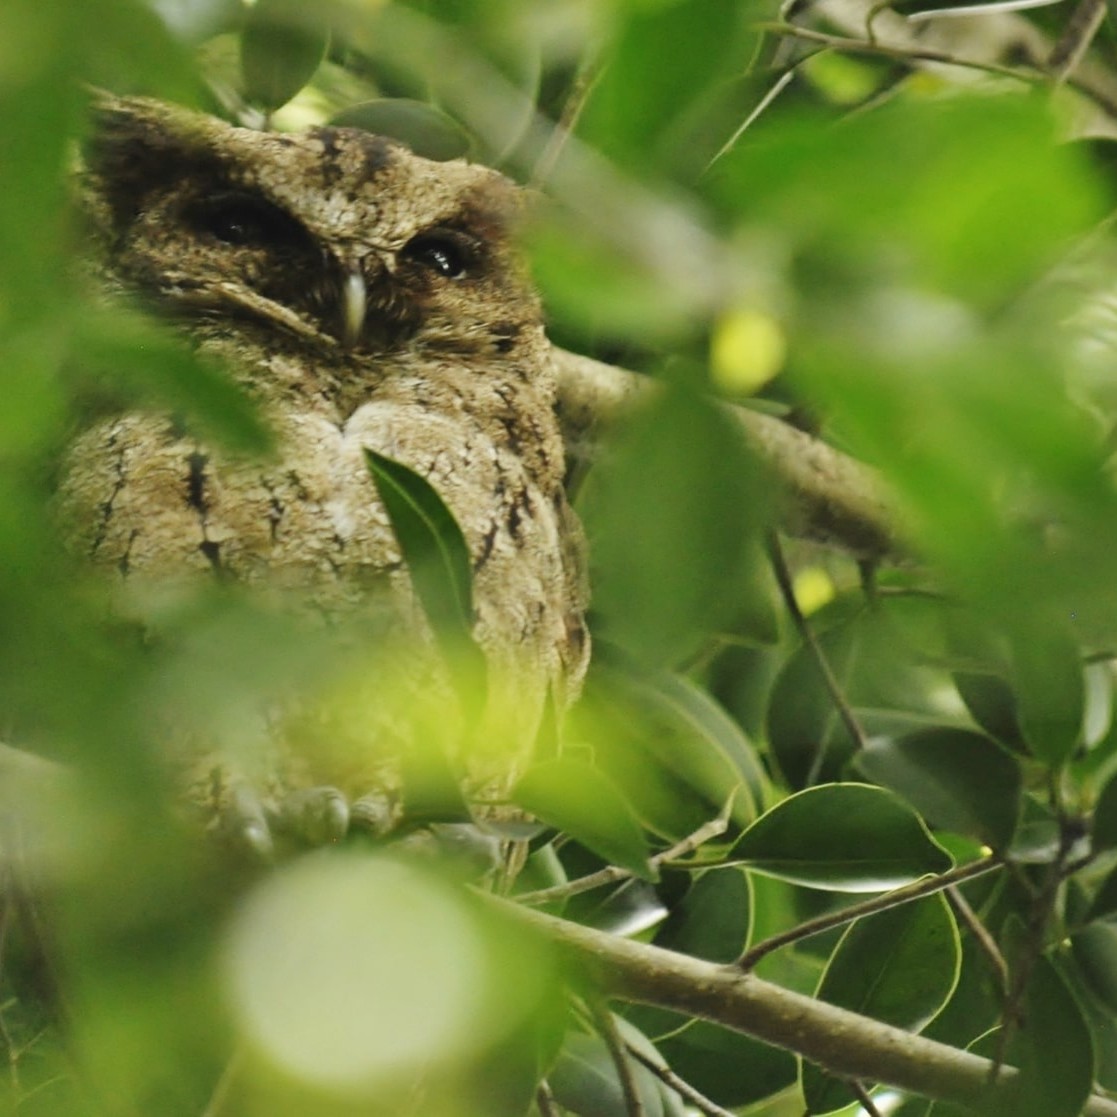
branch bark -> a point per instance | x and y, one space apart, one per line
845 1044
827 495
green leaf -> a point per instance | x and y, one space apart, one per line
677 754
1050 689
437 558
583 802
731 1069
1104 903
644 500
1104 829
120 349
281 48
991 703
689 45
842 837
1052 1049
955 778
712 919
898 966
426 130
1095 950
584 1078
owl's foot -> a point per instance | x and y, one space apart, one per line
312 816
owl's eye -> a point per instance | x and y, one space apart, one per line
449 254
239 219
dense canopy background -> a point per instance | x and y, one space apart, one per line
884 226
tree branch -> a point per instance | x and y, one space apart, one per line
841 1042
827 495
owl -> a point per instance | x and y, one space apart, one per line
366 298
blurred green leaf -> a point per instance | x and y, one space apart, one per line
691 46
899 967
678 755
282 45
973 194
119 349
582 801
1050 691
955 778
644 501
1104 903
844 838
1095 950
426 130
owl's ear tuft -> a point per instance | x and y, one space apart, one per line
136 146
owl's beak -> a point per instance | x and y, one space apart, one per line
354 307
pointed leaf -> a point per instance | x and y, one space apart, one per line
843 837
437 558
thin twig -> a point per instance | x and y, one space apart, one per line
779 86
985 941
900 54
926 886
545 1101
584 81
1083 25
606 1024
864 1097
810 641
681 1087
612 873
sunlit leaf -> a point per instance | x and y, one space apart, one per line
584 803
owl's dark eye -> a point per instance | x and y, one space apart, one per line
239 219
449 254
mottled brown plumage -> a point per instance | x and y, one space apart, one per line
367 298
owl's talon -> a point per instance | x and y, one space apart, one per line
245 822
318 815
372 814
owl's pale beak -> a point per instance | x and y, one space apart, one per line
354 307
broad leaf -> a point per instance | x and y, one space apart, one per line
842 837
584 803
898 966
955 778
712 919
282 45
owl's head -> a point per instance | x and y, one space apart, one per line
335 238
